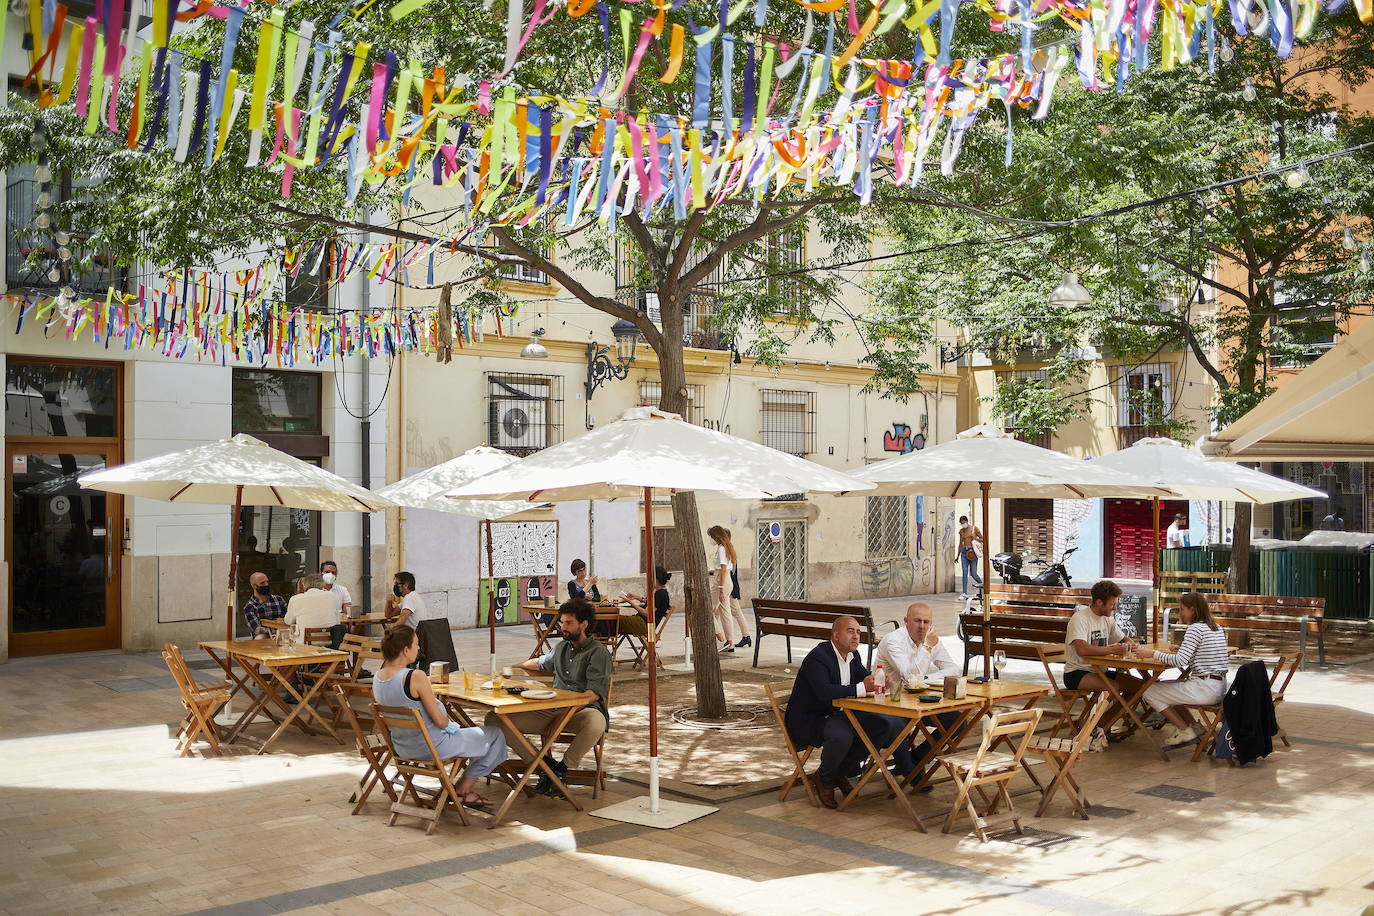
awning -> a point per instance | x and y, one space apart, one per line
1326 413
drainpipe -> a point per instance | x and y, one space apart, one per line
365 435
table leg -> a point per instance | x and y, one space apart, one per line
302 705
259 700
878 764
1129 707
953 738
517 737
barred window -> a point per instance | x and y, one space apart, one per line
886 527
787 252
1013 426
524 412
650 394
789 421
1144 395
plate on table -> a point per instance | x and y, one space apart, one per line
937 682
539 693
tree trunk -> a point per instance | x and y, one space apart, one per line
1238 577
696 588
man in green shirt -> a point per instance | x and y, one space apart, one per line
581 664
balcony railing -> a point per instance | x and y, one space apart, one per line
1126 436
698 319
31 252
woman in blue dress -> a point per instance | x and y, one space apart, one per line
398 685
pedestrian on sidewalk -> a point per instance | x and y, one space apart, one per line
725 594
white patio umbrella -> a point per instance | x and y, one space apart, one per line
986 462
1168 463
425 490
649 449
236 472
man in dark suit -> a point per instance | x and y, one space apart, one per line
830 671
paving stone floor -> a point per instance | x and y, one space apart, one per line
98 815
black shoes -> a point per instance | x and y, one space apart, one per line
743 643
545 785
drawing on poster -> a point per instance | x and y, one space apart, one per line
520 550
1130 615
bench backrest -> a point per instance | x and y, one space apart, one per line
1023 598
792 617
1032 628
1266 606
1174 585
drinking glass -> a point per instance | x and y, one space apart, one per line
999 659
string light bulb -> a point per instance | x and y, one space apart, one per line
1247 91
1364 260
1348 239
1226 52
1298 177
42 220
42 173
63 237
44 200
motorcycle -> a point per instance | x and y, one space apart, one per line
1008 566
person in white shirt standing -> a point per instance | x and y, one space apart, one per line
407 607
312 608
329 570
909 655
1176 535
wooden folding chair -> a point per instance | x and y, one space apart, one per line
777 698
1060 755
639 647
372 747
972 770
542 633
1068 699
1284 668
393 719
596 778
607 627
201 701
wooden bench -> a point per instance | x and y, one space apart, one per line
1174 585
1019 634
806 620
1024 617
1270 614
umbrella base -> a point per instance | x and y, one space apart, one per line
638 811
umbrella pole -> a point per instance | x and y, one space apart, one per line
652 631
986 487
491 598
233 563
1154 577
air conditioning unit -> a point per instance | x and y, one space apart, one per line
519 415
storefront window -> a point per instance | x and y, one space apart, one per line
63 401
1347 507
267 401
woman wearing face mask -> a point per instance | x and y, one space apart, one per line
330 571
407 607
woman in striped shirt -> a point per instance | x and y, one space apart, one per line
1202 658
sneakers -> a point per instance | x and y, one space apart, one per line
545 785
727 649
744 643
1098 742
1178 737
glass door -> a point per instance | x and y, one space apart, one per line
64 565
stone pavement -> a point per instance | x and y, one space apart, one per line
97 815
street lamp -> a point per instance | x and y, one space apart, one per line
600 367
534 349
1070 293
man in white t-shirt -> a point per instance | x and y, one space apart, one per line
1092 632
406 607
330 571
312 608
1176 535
911 654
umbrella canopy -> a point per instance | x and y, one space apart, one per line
1167 463
647 447
1013 469
425 489
241 469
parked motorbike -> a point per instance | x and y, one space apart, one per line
1008 566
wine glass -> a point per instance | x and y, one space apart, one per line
999 660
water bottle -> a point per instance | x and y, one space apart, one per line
879 683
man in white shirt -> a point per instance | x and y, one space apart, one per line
407 606
312 608
909 655
1093 631
329 570
1176 535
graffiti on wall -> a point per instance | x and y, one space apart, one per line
886 578
903 441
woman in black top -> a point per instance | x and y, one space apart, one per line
637 624
581 585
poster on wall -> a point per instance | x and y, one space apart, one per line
522 553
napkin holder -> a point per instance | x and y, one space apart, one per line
956 688
438 671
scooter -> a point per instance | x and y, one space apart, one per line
1008 565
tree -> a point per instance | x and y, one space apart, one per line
152 210
1145 194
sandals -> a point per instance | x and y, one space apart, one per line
475 801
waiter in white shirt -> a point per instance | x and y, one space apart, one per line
909 655
1176 535
342 599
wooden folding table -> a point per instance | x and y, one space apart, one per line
1149 669
917 714
505 705
262 690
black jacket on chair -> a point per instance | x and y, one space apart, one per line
436 643
1249 710
818 685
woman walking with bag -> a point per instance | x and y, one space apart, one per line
730 622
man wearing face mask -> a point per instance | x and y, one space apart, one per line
970 548
329 570
262 605
407 607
